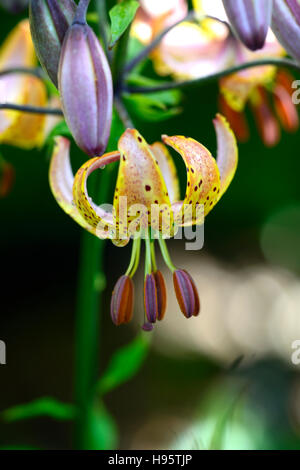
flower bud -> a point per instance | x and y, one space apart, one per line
250 20
121 306
85 85
49 22
186 293
14 6
286 25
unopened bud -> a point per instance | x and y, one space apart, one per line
122 298
186 293
14 6
49 22
250 20
286 25
86 89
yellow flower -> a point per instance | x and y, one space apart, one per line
21 129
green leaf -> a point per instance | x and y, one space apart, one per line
100 430
154 106
46 406
121 16
124 364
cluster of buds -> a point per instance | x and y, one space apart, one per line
72 56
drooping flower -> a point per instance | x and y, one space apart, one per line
147 205
49 22
250 20
190 49
85 85
256 86
20 129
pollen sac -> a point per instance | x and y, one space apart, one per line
186 293
121 307
85 85
150 298
250 20
161 292
286 25
148 326
155 298
49 22
14 6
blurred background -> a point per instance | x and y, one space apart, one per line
231 365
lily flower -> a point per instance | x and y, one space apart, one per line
21 129
257 86
147 205
190 49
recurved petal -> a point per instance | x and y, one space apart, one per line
203 179
237 120
18 50
141 182
168 169
227 153
26 130
61 181
101 220
7 177
266 121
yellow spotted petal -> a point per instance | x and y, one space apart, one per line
26 130
61 181
140 188
227 153
18 50
101 220
203 180
168 169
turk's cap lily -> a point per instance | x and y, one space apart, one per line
286 25
147 188
250 20
238 87
21 129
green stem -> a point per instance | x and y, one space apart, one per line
165 253
35 71
119 60
148 259
135 254
91 286
81 11
103 22
31 109
216 76
153 259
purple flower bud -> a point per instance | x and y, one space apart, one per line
86 89
14 6
286 25
121 306
186 293
250 20
49 22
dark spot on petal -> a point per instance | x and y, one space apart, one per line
147 187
